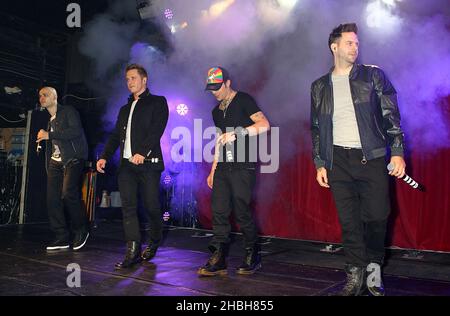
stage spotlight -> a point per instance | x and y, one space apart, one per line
217 9
174 28
168 14
276 12
379 15
166 216
287 4
391 3
183 25
167 180
182 109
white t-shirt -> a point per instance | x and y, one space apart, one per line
56 153
127 154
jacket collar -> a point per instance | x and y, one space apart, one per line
351 76
144 94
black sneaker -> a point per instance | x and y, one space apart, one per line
58 245
80 240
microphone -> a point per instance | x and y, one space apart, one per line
38 148
408 179
39 108
229 152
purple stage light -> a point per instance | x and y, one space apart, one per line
182 109
166 216
168 14
167 180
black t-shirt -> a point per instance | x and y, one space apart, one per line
242 153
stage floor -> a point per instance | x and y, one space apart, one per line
290 267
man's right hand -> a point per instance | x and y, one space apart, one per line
101 165
322 177
210 180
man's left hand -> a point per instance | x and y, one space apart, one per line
137 159
42 135
399 167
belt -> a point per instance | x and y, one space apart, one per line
363 160
347 148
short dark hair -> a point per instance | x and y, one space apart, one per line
140 69
337 33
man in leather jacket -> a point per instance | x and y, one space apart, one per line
354 116
66 152
139 128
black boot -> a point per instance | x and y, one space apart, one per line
150 251
216 264
374 280
132 256
355 285
252 261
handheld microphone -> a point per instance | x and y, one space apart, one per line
39 107
229 152
408 179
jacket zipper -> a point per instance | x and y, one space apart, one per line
378 128
332 114
364 159
73 146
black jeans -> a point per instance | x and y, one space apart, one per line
232 190
361 194
145 180
63 192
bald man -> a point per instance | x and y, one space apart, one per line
66 152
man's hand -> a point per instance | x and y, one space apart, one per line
227 138
399 167
210 180
42 135
322 177
137 159
101 164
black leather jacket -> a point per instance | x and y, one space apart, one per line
376 109
68 135
149 121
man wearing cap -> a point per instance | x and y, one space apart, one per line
139 128
233 173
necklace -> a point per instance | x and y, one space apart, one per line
225 104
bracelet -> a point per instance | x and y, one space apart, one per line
241 132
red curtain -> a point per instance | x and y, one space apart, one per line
291 204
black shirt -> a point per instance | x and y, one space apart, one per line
237 115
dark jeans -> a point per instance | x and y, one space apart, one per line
63 192
232 190
145 180
361 193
